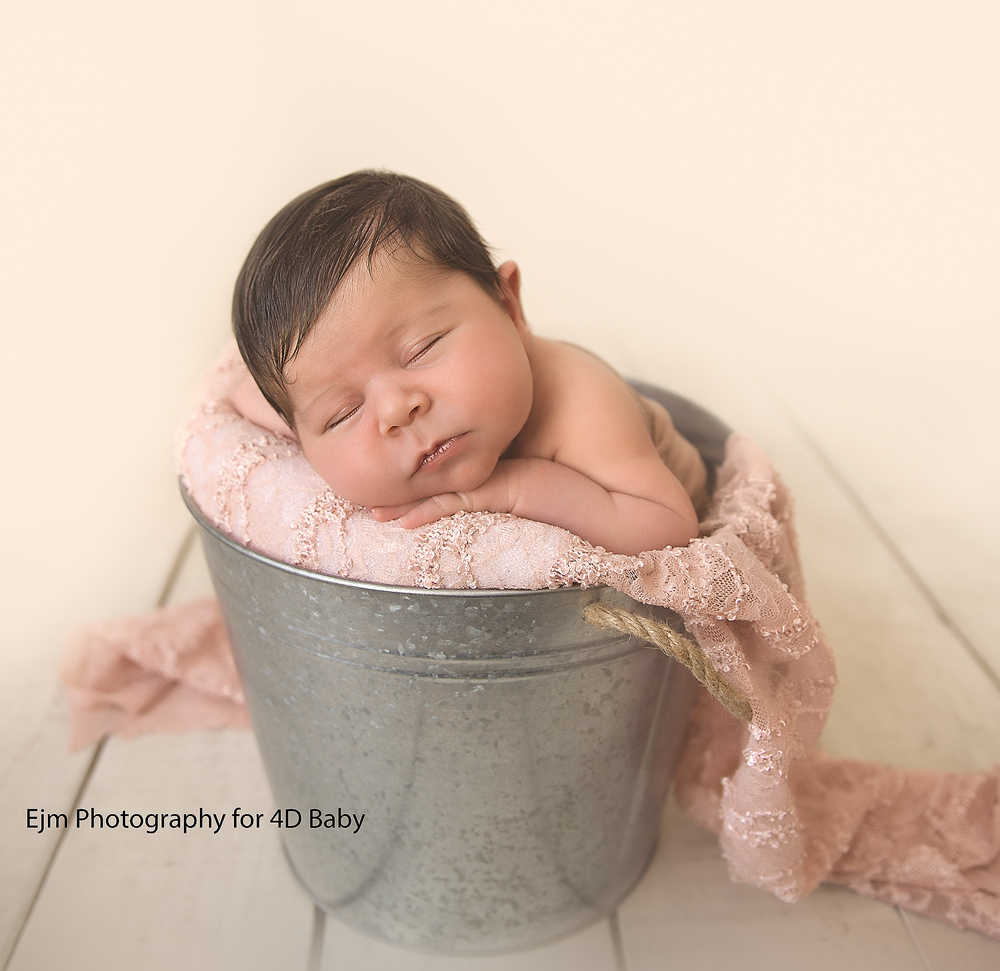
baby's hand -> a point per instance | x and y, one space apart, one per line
497 494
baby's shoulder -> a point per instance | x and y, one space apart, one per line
578 395
560 367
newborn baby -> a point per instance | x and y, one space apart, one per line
373 321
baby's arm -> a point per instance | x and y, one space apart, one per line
591 466
550 492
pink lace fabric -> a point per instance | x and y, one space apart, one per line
169 670
788 816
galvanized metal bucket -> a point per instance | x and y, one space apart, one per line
470 771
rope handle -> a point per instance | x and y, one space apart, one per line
674 645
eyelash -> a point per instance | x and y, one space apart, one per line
423 351
416 357
337 421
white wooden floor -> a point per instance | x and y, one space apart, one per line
914 692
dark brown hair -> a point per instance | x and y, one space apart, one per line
306 250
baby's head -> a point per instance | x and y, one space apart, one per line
310 246
372 317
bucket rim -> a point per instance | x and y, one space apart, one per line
263 558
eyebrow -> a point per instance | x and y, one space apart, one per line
403 322
438 307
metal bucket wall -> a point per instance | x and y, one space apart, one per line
511 762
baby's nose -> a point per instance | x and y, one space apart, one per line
401 409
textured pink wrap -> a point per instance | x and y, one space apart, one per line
788 816
167 671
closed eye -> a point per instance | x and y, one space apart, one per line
416 357
343 418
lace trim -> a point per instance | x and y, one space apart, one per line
325 509
231 492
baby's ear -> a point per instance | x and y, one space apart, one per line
510 293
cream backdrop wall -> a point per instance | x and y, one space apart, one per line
801 193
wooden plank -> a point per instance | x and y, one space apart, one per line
590 950
921 465
686 913
129 898
909 693
193 580
123 899
37 772
945 948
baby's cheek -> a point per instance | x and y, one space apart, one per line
368 483
331 467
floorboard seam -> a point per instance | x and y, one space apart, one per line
173 574
315 959
180 557
98 749
905 920
616 942
895 552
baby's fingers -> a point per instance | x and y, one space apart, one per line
384 514
437 507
